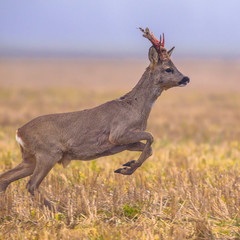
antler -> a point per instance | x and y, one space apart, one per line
157 44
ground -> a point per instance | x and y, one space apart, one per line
188 189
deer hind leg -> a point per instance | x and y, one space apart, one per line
24 169
133 140
44 163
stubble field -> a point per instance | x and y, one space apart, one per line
188 189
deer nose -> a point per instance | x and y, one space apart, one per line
184 82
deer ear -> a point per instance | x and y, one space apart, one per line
170 51
153 55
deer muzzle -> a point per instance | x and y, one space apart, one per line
184 82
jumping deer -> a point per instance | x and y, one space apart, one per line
110 128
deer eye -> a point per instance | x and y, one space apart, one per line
169 70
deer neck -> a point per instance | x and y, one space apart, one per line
143 95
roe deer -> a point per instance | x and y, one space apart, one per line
107 129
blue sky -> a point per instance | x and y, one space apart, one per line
108 27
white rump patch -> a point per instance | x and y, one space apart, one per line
19 140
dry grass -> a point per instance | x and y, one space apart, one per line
189 188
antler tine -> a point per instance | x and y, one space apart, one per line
154 37
146 33
163 42
141 29
157 44
150 37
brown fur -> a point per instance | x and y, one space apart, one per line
107 129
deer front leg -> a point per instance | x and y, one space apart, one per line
131 138
138 146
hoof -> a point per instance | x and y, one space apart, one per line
119 170
128 164
125 171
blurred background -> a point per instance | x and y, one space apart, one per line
76 33
109 28
66 55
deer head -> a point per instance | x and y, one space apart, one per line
163 71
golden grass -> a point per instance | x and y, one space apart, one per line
188 189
